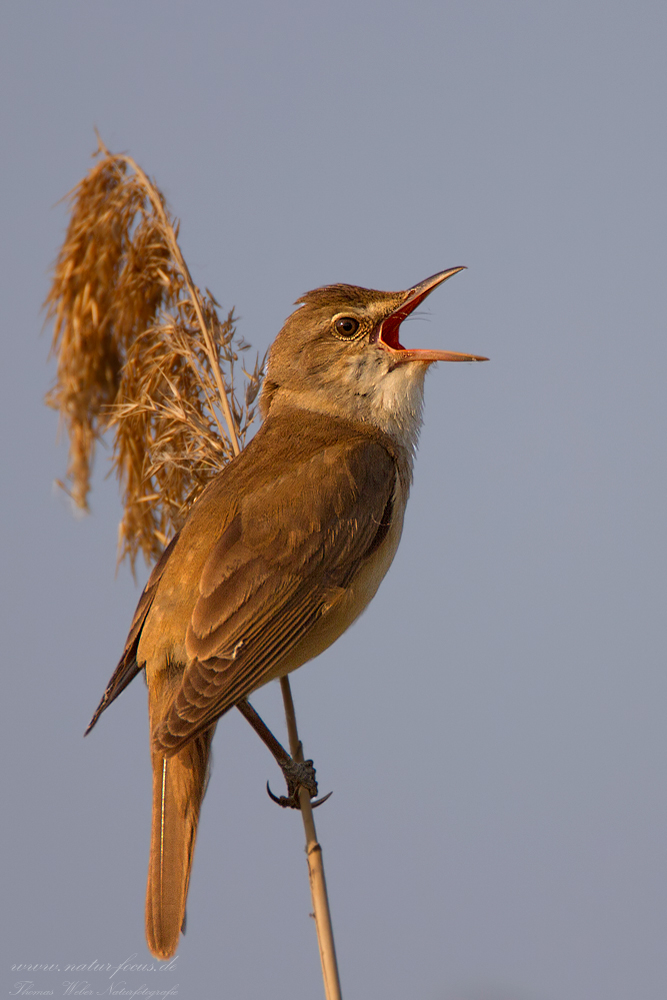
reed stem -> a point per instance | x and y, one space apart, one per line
318 885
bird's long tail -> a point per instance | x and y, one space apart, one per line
179 783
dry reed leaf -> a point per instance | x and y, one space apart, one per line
143 354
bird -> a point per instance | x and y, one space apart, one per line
279 555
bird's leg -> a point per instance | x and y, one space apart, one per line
296 773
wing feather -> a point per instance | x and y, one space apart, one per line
128 667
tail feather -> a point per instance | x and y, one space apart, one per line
179 783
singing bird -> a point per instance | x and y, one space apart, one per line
282 551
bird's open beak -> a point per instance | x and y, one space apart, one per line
388 333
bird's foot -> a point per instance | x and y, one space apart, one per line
298 774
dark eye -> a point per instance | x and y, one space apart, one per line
347 326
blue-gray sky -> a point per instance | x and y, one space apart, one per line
493 726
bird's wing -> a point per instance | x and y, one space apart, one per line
282 562
128 668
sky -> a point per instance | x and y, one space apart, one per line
492 727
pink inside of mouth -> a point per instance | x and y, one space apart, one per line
389 332
390 326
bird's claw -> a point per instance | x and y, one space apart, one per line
292 801
297 774
318 802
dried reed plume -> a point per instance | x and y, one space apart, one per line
141 353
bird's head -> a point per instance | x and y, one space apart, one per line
340 354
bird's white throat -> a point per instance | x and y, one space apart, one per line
371 389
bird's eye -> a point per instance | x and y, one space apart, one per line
346 326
